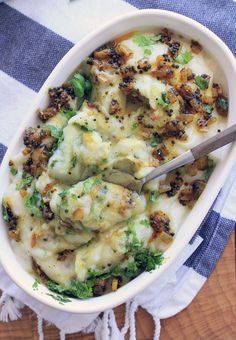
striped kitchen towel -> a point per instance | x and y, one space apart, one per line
34 35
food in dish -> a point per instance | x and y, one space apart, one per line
135 103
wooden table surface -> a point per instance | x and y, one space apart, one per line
211 316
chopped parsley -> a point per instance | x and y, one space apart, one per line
141 259
155 140
78 83
145 222
147 51
36 284
184 58
34 203
146 41
81 290
147 260
57 133
208 109
82 85
163 101
55 287
25 182
153 195
203 83
90 182
134 126
60 298
5 212
86 128
132 239
68 113
13 170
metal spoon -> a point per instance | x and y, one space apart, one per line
128 181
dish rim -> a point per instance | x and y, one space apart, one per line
98 304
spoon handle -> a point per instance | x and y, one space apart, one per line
222 138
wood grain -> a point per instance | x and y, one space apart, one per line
210 316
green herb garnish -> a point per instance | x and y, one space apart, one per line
26 180
202 82
78 83
86 128
145 222
155 140
55 132
5 211
132 239
82 85
35 285
184 58
81 290
68 113
163 101
153 195
147 260
147 51
55 287
141 259
90 182
60 298
13 170
208 109
34 203
146 41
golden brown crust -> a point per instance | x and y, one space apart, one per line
191 193
196 47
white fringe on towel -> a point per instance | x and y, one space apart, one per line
40 327
10 308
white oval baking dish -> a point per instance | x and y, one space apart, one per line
129 22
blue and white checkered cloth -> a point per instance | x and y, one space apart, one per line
34 36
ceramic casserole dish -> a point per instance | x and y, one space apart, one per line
145 19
